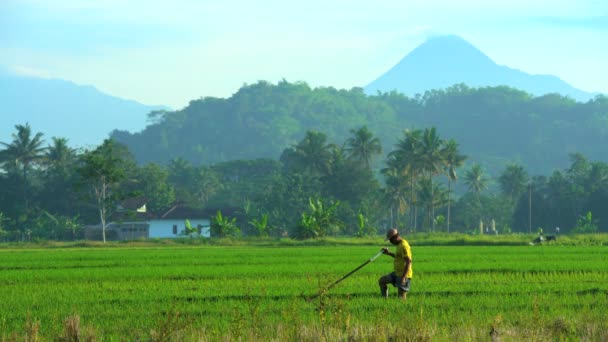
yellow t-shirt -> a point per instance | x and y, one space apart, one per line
403 251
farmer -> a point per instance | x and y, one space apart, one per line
402 274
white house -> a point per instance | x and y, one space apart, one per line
174 227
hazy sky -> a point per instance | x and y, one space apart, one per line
171 52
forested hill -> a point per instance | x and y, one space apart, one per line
493 125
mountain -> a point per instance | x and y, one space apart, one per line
57 108
443 61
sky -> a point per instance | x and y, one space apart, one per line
172 52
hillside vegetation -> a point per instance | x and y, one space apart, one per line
493 125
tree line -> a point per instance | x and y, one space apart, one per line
316 188
494 125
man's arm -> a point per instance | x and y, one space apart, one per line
408 264
387 252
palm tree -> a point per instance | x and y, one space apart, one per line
362 146
513 181
314 154
59 155
431 196
395 192
476 179
59 178
23 152
407 159
452 160
431 159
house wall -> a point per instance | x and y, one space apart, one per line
164 228
118 231
131 231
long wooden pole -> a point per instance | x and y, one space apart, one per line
344 277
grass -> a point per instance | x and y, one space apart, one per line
419 239
173 290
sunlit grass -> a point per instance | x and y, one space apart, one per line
258 292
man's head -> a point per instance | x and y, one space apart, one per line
392 235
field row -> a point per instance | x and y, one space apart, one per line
130 291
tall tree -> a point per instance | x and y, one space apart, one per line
206 184
103 169
314 154
363 146
432 161
181 176
395 193
407 159
59 194
476 181
513 181
22 153
430 196
59 154
153 184
578 175
452 160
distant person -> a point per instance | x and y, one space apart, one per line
556 230
402 266
540 237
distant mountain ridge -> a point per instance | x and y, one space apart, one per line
443 61
58 108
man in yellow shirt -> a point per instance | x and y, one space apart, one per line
402 274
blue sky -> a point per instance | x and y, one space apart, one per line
171 52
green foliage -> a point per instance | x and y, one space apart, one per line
335 164
224 226
152 182
103 169
440 220
58 226
513 181
260 226
363 146
3 232
188 229
363 226
585 224
320 221
263 119
20 156
476 179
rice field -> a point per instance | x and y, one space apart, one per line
213 293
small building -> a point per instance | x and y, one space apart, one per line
172 228
132 221
172 223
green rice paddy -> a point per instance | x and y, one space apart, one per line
258 293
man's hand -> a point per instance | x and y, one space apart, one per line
385 250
